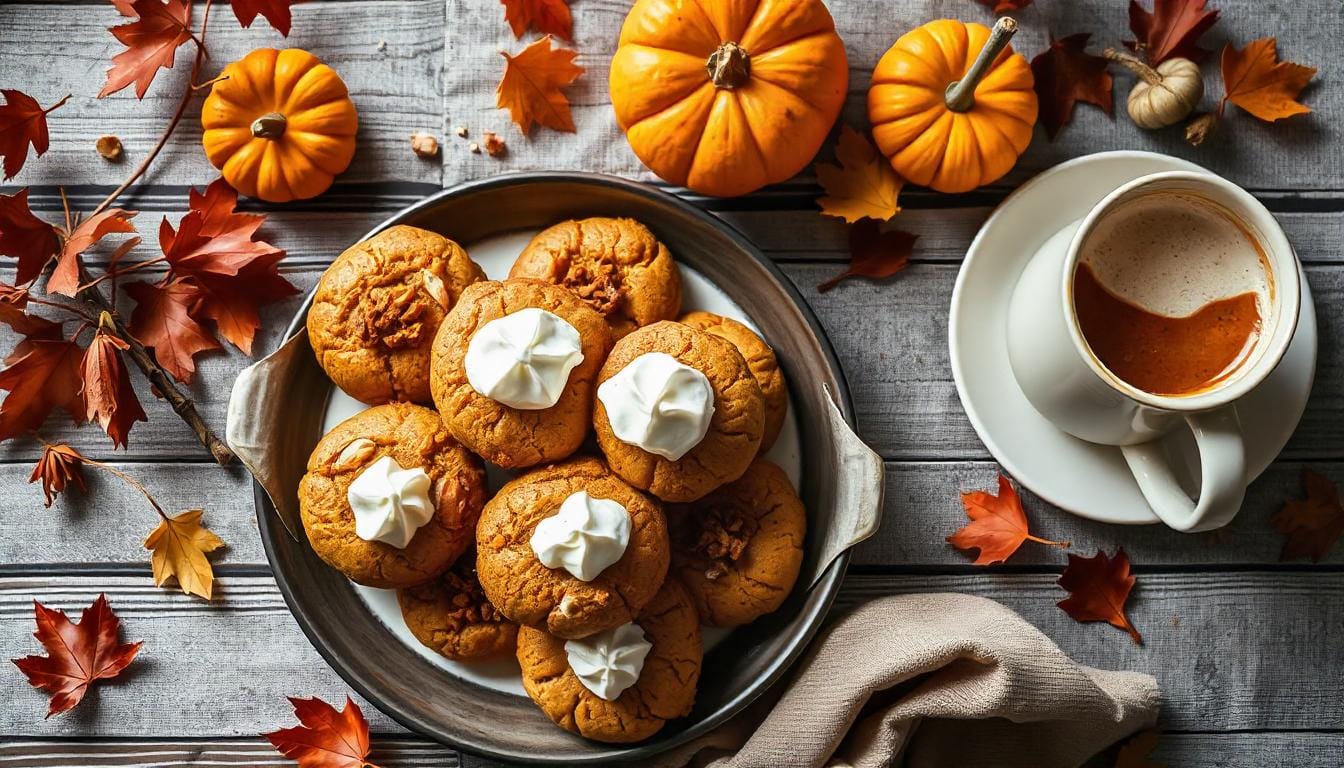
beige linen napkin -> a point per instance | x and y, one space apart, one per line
929 681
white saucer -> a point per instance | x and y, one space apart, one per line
1089 480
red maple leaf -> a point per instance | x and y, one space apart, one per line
13 312
325 738
1004 6
874 253
998 524
41 375
275 11
1099 587
549 17
25 237
151 43
23 124
162 320
1067 74
1314 524
79 655
65 277
109 397
1171 30
58 468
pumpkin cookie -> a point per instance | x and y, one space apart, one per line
678 412
377 307
452 615
739 549
616 265
760 359
390 499
513 368
622 685
571 548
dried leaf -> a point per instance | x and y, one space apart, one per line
59 467
276 11
1171 30
25 237
1067 74
998 525
151 42
180 545
65 277
1098 587
549 17
325 738
109 397
23 124
13 305
162 320
42 374
79 655
530 88
1314 524
1004 6
862 185
1134 753
1259 83
874 253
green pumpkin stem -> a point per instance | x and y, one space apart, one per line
960 96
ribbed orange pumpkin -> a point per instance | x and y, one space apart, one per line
951 105
280 125
726 97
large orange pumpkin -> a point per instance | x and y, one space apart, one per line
279 125
951 105
726 96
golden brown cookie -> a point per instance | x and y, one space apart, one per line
665 689
739 549
616 265
377 308
735 430
452 615
513 437
760 359
529 593
412 436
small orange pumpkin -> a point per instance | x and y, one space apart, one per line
726 97
279 125
952 106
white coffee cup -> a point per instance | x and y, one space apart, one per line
1067 384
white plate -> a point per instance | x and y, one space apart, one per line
1088 480
496 255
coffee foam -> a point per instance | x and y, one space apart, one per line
1172 253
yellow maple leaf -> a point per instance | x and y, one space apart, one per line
863 185
530 88
179 545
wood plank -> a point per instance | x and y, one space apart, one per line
389 751
204 670
391 61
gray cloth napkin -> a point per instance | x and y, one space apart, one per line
929 681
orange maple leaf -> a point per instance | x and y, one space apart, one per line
1098 587
325 738
163 320
998 524
79 655
109 397
41 375
58 468
874 253
151 43
550 17
23 124
65 277
530 88
1255 80
862 185
1314 524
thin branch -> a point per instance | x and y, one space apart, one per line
113 274
74 310
131 481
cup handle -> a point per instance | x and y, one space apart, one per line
1222 460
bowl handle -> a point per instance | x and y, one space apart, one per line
858 479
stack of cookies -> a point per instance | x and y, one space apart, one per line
639 508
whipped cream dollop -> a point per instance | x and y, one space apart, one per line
658 404
585 536
609 662
390 503
523 359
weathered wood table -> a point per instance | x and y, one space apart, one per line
1249 651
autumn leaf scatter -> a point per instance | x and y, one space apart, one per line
79 655
325 737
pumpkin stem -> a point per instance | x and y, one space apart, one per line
1133 64
729 66
960 95
269 126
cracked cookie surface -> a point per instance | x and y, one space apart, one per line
452 615
528 592
616 265
414 437
760 359
514 437
735 429
377 308
665 689
738 550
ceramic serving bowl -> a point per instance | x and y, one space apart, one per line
275 420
